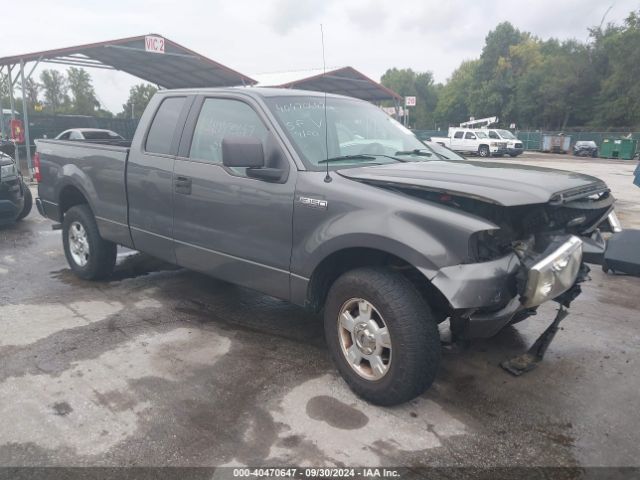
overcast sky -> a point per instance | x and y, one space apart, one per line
284 35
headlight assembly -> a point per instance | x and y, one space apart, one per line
554 274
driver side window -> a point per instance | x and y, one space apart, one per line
493 135
220 118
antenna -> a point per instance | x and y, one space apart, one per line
327 177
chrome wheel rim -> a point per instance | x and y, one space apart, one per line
78 244
364 339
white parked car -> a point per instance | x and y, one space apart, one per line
471 141
88 134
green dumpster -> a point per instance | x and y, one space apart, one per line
621 148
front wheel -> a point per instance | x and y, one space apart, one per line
484 151
89 255
382 336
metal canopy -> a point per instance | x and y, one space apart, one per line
343 81
177 67
171 66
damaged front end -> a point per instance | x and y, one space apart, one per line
487 296
547 224
535 256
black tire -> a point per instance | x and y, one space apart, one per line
513 155
415 340
102 253
28 201
484 151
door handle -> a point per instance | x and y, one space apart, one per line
183 185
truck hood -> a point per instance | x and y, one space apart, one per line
508 185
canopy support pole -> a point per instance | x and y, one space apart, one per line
25 116
1 111
13 111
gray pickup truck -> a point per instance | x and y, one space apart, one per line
327 202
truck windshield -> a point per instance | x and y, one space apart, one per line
507 135
358 132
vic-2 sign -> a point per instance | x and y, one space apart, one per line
154 44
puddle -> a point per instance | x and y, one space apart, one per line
336 413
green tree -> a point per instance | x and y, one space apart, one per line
616 52
55 89
419 84
139 97
83 96
454 102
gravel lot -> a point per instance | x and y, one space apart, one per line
161 366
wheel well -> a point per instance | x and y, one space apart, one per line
70 196
342 261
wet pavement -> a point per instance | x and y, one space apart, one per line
162 366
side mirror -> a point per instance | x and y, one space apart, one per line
241 152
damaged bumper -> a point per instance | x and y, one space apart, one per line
488 296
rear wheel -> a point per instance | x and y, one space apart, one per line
28 201
382 336
88 254
483 151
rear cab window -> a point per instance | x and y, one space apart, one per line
163 127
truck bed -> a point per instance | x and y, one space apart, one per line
97 169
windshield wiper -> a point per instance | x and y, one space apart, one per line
348 157
359 156
417 151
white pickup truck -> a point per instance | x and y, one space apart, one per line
514 144
472 141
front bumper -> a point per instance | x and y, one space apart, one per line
515 151
489 295
498 150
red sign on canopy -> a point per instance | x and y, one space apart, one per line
17 131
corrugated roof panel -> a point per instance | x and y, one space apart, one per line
170 69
